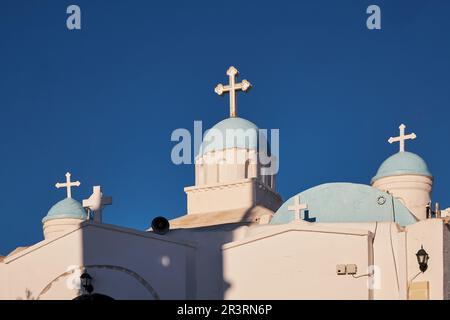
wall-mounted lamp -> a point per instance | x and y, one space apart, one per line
86 282
422 259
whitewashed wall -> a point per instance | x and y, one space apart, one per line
297 262
121 259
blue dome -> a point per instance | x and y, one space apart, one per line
345 202
67 208
402 163
233 133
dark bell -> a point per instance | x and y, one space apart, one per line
160 225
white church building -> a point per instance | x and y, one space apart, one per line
240 240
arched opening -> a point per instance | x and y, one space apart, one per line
221 170
201 174
246 169
98 296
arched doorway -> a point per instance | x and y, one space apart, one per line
136 276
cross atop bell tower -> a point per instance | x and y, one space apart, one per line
68 185
231 88
402 137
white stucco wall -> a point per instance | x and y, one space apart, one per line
291 261
167 265
446 262
429 234
3 278
33 268
209 260
298 262
122 261
389 256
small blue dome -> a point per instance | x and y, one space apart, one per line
67 208
345 202
402 163
233 133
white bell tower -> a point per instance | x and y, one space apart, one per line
406 176
229 173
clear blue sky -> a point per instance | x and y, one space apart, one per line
102 102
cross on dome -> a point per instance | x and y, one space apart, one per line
231 88
297 208
402 137
68 184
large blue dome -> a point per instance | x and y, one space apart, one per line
402 163
233 133
345 202
67 208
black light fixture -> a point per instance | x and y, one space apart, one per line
422 259
86 282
